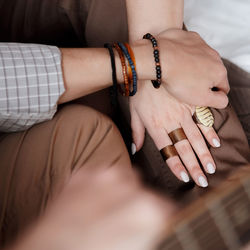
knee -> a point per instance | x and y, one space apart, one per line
92 136
85 120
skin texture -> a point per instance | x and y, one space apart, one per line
125 217
189 61
88 70
181 52
161 121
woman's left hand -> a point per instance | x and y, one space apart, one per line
160 113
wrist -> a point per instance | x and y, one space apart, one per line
143 52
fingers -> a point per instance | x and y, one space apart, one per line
138 132
210 135
161 140
177 168
188 157
199 145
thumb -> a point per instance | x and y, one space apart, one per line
138 131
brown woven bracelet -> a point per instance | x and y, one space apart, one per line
124 71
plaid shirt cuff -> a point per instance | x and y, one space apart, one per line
31 83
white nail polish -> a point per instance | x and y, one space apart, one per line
133 148
210 168
202 181
216 143
184 177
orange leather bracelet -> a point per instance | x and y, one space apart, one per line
124 71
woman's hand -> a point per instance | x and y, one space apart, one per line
190 68
160 113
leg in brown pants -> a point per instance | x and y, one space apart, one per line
36 163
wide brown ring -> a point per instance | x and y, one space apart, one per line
168 152
177 135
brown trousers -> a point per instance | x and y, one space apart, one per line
36 163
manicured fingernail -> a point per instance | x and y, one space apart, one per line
184 177
133 148
216 143
202 181
210 168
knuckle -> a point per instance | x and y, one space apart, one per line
194 135
156 123
175 168
195 171
221 71
216 53
205 156
195 34
183 147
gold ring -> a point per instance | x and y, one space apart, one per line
204 116
168 152
177 135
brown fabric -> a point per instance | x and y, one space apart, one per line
107 22
43 21
240 94
36 163
168 151
177 135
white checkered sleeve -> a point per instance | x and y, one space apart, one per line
31 83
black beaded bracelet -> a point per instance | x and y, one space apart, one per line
156 83
114 77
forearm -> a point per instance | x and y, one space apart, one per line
148 16
86 71
35 78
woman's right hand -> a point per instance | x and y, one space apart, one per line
190 68
160 113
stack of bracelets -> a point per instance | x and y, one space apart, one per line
129 66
